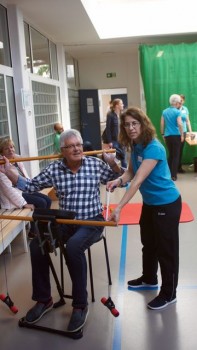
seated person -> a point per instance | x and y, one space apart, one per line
76 179
12 197
87 147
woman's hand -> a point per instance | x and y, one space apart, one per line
111 185
6 166
9 170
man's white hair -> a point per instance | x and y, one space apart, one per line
65 135
174 99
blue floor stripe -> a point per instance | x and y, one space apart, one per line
155 288
120 291
142 288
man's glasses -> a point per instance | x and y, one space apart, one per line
77 145
133 124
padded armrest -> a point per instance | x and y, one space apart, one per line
43 213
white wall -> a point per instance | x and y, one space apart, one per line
25 114
64 102
92 73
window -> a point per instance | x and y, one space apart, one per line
54 65
47 113
71 71
41 54
28 48
5 58
4 126
8 123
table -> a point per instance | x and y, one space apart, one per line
191 140
130 214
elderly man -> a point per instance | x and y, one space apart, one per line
172 131
76 180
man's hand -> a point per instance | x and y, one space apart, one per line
111 185
115 215
110 158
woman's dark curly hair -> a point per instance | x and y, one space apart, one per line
148 131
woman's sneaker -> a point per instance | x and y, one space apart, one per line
160 303
139 283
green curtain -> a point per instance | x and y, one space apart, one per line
166 70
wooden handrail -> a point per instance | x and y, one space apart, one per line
55 156
62 221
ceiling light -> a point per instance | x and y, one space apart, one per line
132 18
160 53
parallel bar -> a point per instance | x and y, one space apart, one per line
55 156
63 221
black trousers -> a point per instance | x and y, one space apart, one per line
159 227
181 152
120 153
173 144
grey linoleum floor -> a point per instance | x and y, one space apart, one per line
137 328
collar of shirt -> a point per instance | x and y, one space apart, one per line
64 165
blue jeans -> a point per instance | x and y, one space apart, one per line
76 240
39 200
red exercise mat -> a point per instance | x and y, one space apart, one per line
130 214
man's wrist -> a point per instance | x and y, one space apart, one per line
113 166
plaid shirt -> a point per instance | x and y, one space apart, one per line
79 192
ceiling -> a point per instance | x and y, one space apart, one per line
65 21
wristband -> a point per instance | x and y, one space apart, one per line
121 182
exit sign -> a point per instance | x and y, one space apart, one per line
111 75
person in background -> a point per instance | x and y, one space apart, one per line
12 197
87 147
186 128
58 128
172 132
111 132
148 172
76 180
